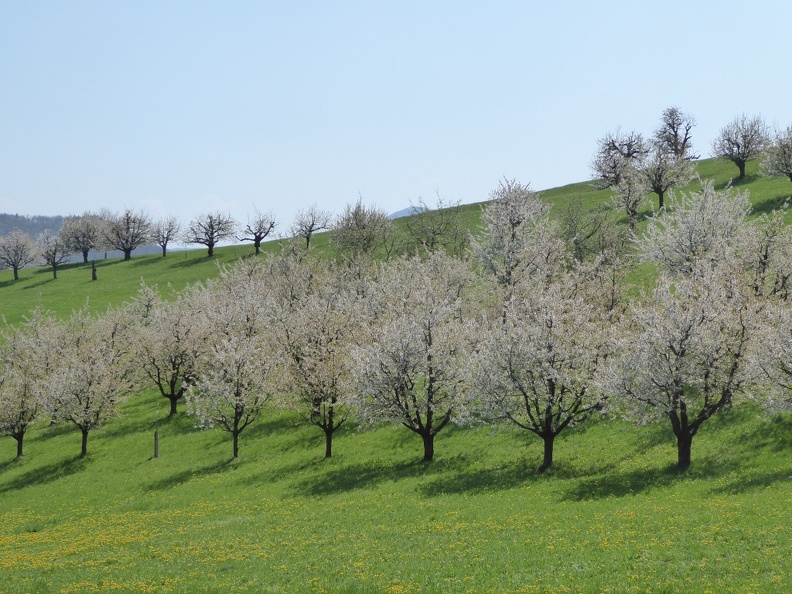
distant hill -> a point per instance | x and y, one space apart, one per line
35 225
405 212
32 225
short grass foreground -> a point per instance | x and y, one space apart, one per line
613 516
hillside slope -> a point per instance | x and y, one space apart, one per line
119 280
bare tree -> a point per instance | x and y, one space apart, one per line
616 153
407 368
360 230
310 221
437 227
537 369
83 233
127 231
741 140
53 250
779 155
258 229
17 250
210 229
165 231
673 136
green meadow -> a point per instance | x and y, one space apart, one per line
612 515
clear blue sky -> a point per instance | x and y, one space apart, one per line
184 107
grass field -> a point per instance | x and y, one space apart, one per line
612 515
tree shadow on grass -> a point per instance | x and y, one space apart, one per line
276 474
754 481
40 283
749 178
185 476
46 474
53 430
365 475
11 282
621 483
482 480
771 204
189 263
144 261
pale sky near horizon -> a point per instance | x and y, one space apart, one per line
186 107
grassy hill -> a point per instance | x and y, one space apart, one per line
613 514
118 280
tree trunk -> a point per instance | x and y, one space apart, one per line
741 166
684 443
549 441
16 273
54 271
661 199
85 256
173 401
163 250
127 254
428 442
84 450
257 245
328 443
19 437
236 444
211 250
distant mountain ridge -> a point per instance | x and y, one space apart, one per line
406 212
